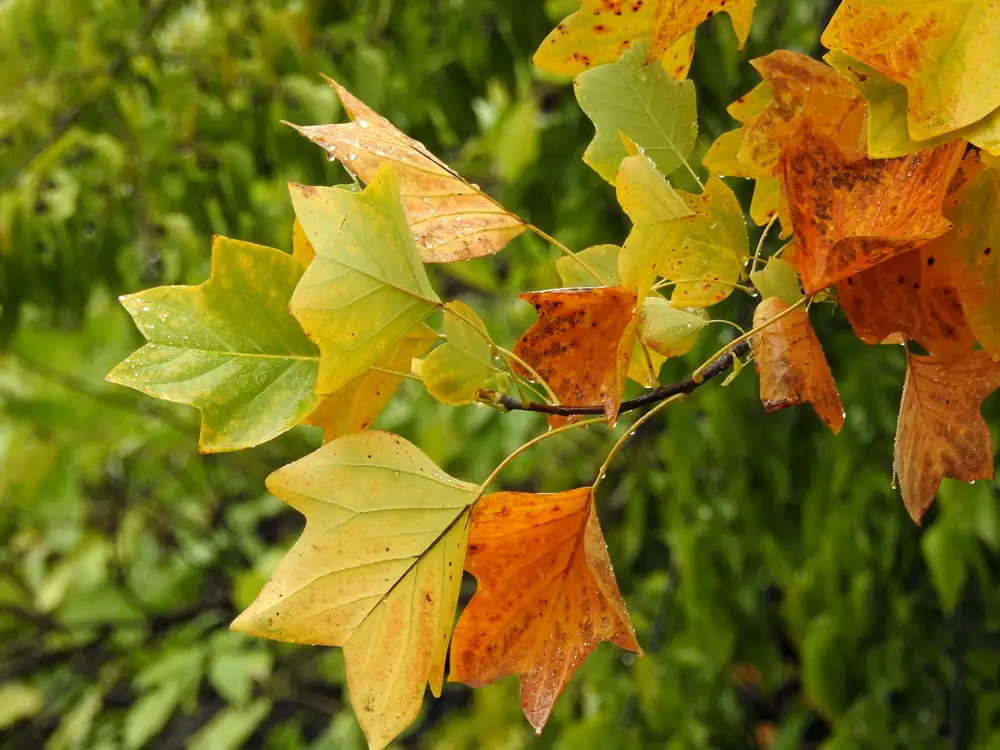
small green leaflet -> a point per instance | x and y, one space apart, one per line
458 368
601 259
366 288
228 347
642 101
667 330
777 279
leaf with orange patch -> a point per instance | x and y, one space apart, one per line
546 595
793 369
941 432
581 345
907 295
675 18
850 215
450 219
943 51
302 249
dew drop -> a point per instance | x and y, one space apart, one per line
363 124
145 309
352 157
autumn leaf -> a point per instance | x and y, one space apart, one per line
777 279
355 406
667 330
722 158
228 347
366 289
793 369
850 215
655 112
942 51
908 295
601 259
457 369
675 18
377 571
581 345
695 239
546 595
941 432
450 219
970 253
888 131
302 249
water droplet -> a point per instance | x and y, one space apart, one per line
352 157
145 309
428 244
363 124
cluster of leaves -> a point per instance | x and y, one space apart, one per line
327 334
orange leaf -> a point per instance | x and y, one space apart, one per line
941 432
850 215
793 369
675 18
546 595
451 219
910 295
581 345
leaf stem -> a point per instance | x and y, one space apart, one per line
531 371
566 251
760 243
407 375
664 284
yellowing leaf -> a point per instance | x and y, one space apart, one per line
366 288
777 279
943 51
941 432
791 363
850 215
546 596
228 347
450 219
354 407
602 259
670 331
457 369
888 132
696 239
377 571
302 249
675 18
581 345
644 103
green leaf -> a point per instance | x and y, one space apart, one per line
777 279
642 101
824 675
234 672
668 330
458 368
602 259
366 288
231 727
228 347
18 701
148 715
377 571
943 545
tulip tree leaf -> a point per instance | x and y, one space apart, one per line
459 367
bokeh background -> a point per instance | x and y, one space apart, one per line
783 596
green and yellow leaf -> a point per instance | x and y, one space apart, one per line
456 370
667 330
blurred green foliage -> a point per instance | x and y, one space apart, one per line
774 578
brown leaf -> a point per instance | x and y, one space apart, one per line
546 595
793 369
850 215
941 432
907 295
581 345
451 219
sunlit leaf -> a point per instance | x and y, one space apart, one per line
777 279
655 112
793 369
228 347
355 406
581 344
602 259
670 331
941 432
546 595
377 571
457 369
366 288
450 218
942 51
850 215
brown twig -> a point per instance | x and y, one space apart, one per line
714 370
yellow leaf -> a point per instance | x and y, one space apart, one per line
457 369
675 18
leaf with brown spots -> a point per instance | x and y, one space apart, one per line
941 432
354 407
793 369
970 253
581 345
376 571
675 18
943 51
546 595
908 295
601 31
450 219
850 215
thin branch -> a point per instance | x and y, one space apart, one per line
714 370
